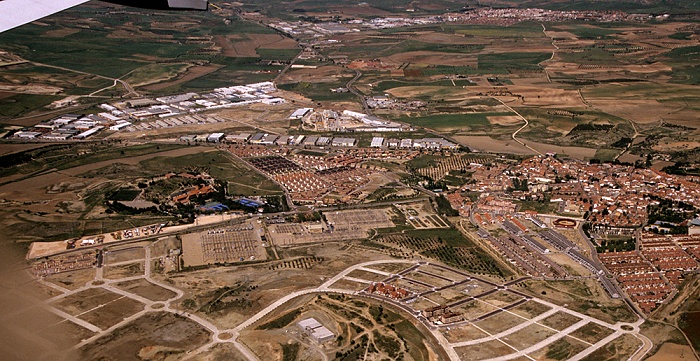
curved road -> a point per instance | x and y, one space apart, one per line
519 129
231 335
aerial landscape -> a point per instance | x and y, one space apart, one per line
335 180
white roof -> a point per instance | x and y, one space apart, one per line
322 332
309 323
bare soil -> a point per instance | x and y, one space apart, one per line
154 329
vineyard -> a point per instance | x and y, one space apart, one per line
447 246
442 167
299 263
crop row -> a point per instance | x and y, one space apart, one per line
447 164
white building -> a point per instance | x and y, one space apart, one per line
377 142
215 137
300 113
343 142
315 330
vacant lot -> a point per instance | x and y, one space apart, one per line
147 290
85 301
164 332
112 313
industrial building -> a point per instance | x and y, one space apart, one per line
316 330
343 142
300 113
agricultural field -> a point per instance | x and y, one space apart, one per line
158 53
455 169
448 246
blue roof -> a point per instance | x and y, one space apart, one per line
249 202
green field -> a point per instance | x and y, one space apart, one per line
63 156
520 30
448 246
241 179
277 54
447 122
501 63
153 73
19 104
116 49
320 91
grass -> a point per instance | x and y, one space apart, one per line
116 48
606 155
242 180
290 351
681 36
502 62
64 156
539 207
629 6
385 85
277 54
20 104
424 161
592 32
413 45
585 296
281 321
154 73
520 30
320 91
414 337
125 194
562 349
460 121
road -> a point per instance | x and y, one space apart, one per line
515 133
359 96
231 335
283 71
554 53
130 90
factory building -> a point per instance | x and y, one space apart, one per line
315 330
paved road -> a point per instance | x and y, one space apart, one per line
508 331
222 335
361 97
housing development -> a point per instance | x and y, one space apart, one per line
407 180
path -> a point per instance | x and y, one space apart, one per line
126 85
519 129
554 53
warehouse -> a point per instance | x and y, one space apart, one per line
323 141
343 142
300 113
377 142
215 137
311 140
238 138
315 330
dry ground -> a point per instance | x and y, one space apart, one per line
172 334
147 290
191 74
673 352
